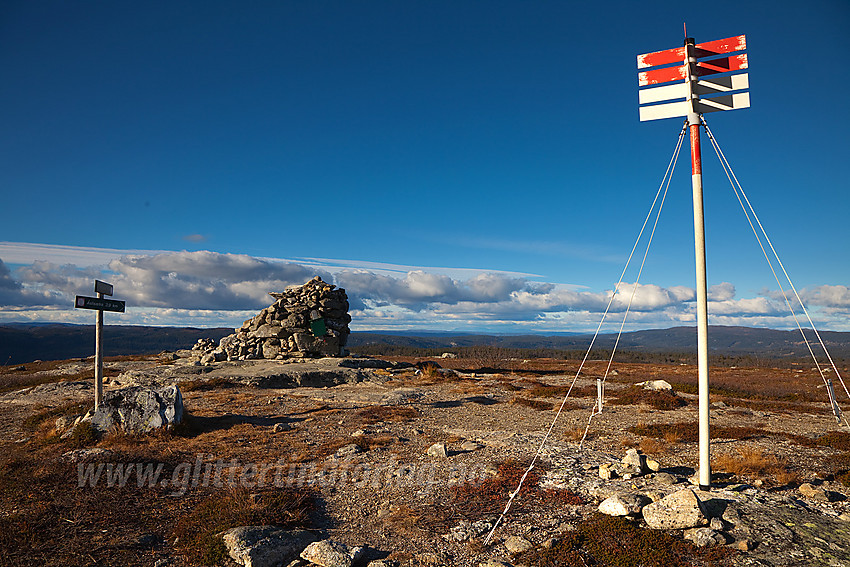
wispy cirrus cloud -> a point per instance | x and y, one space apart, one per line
560 249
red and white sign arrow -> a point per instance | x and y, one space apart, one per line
716 93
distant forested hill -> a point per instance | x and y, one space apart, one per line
731 341
21 343
25 343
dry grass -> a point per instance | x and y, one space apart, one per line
576 433
750 462
672 437
838 466
533 404
52 521
688 432
35 420
303 453
836 439
475 500
658 399
508 385
403 520
651 446
467 387
788 477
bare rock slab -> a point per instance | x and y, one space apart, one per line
517 544
329 553
814 492
139 409
704 537
624 504
438 450
676 511
265 546
657 385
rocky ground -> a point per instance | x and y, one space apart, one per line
415 466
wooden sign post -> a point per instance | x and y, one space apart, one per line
100 304
683 92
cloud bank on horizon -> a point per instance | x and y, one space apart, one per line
203 288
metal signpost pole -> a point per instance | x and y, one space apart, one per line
100 305
668 91
98 357
699 255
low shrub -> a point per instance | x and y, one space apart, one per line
607 540
198 531
83 435
839 467
835 439
473 500
563 496
541 390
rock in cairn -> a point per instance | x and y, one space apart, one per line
307 320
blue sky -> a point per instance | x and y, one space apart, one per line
455 165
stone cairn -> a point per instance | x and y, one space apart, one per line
305 321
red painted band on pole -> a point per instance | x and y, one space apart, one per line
696 153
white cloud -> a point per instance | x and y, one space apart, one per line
14 294
650 297
204 280
721 292
751 307
827 296
211 289
418 288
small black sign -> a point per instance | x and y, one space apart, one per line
99 304
102 287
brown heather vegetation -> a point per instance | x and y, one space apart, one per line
474 500
617 542
51 521
533 404
197 531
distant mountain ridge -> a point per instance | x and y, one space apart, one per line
733 341
22 342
